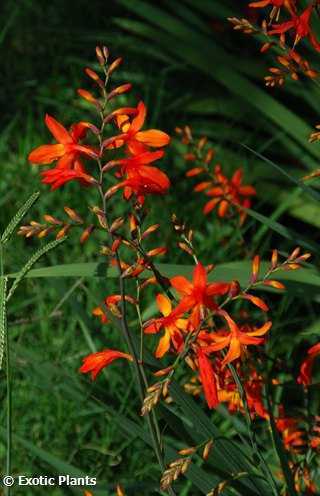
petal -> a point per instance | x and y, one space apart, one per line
155 175
182 285
153 137
210 205
217 288
182 324
200 276
153 326
45 154
237 177
223 208
79 130
256 301
208 379
65 162
314 350
164 304
164 345
234 352
95 362
57 130
247 191
261 3
261 330
138 121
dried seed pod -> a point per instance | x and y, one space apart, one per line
150 230
94 76
115 64
100 56
152 398
294 254
274 259
176 468
63 232
86 95
186 248
73 215
120 491
52 220
86 234
255 269
187 451
124 88
274 284
207 449
116 224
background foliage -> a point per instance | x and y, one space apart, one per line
190 68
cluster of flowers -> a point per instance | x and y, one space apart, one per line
197 325
228 195
297 24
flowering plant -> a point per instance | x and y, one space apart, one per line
213 335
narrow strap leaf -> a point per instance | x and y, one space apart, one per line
42 251
3 316
13 224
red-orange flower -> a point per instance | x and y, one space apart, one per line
136 140
237 339
134 163
198 294
275 4
95 362
301 27
144 181
305 376
67 151
207 378
229 192
170 322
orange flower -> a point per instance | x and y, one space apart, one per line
229 192
275 4
198 294
111 303
144 181
136 140
66 151
135 162
301 26
236 339
305 376
170 322
207 378
95 362
266 3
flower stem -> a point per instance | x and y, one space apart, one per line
8 374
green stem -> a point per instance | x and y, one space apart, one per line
8 379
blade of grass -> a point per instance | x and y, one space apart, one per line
18 217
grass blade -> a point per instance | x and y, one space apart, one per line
18 217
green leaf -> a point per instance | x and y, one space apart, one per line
283 457
297 280
18 217
309 191
187 43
